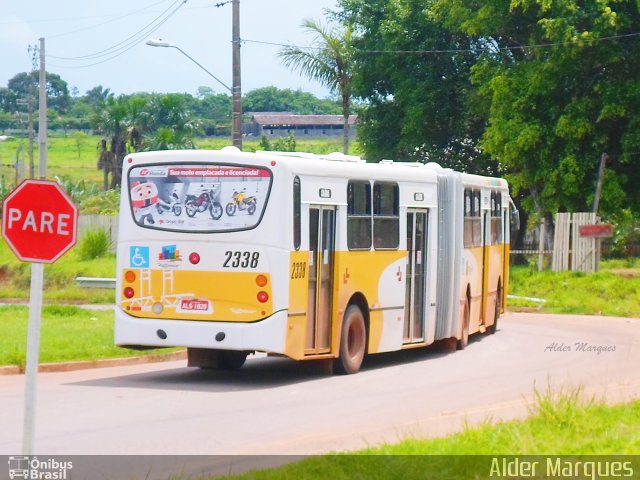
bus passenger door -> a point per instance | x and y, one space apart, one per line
415 316
486 252
321 257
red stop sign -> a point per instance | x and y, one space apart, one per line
39 221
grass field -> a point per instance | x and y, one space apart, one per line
561 424
613 291
75 157
68 333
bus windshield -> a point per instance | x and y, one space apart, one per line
198 198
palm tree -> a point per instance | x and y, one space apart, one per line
111 120
171 123
329 61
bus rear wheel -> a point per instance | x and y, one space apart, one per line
210 359
231 360
353 342
462 343
494 328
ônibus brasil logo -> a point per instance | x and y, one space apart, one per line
33 468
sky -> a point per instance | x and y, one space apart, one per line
90 43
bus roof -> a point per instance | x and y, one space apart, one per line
331 165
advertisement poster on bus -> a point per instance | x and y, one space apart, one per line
198 198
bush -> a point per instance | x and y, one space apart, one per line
94 244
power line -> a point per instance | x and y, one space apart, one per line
85 17
114 19
125 45
455 50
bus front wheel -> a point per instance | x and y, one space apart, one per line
353 341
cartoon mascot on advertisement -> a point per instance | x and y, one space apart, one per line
144 198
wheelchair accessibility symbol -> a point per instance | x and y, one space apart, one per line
139 257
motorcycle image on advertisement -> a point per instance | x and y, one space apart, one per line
241 201
206 200
173 205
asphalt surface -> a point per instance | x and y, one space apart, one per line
275 406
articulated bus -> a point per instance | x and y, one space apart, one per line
229 253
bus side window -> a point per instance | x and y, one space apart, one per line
359 215
477 220
297 213
496 218
468 218
386 215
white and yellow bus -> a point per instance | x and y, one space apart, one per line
228 253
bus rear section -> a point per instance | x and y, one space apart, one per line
194 269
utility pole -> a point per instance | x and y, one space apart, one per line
33 50
37 280
42 121
236 94
596 200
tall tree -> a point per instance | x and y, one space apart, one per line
561 86
413 74
273 99
25 84
97 96
329 61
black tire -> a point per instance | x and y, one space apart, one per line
252 208
190 209
215 210
230 209
462 343
177 210
353 342
494 328
231 360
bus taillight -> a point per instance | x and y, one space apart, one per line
130 276
194 258
261 281
128 292
263 297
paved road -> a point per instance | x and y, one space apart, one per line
277 406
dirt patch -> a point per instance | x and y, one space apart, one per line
625 272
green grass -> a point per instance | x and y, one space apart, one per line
68 333
77 162
59 277
613 291
63 158
561 423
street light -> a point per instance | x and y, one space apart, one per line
236 125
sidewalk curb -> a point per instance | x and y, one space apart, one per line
105 363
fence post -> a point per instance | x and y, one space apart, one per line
541 246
